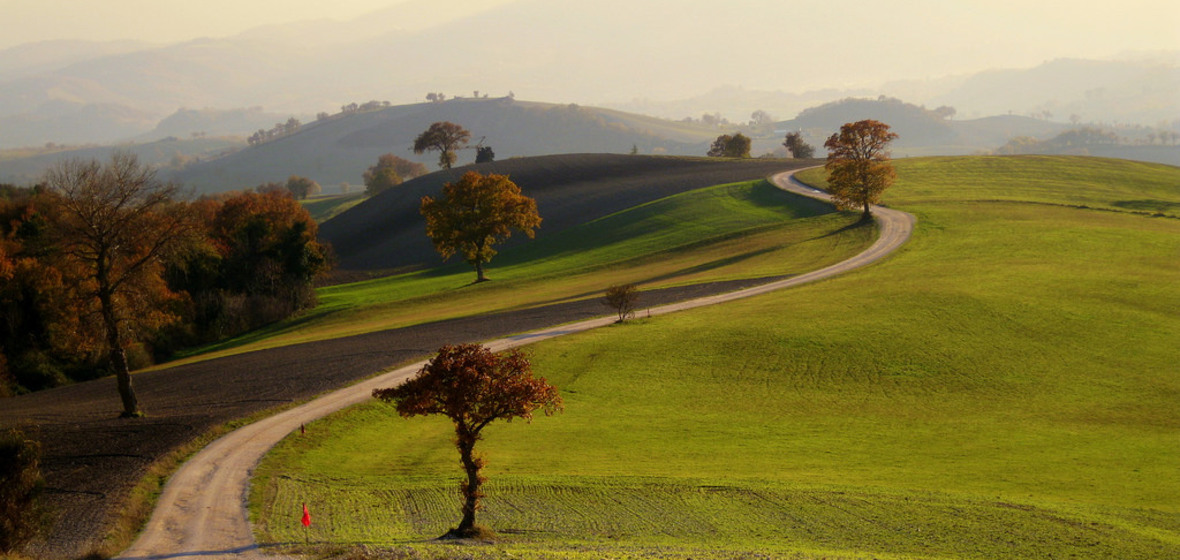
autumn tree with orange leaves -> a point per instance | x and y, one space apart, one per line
475 213
85 253
115 225
858 165
256 265
44 337
473 387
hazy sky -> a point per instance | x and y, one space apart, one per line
1085 26
854 43
166 21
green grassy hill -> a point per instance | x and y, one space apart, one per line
726 232
387 231
1003 387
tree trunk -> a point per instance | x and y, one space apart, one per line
471 493
479 276
867 214
118 359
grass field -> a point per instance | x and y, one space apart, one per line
324 208
1003 387
740 230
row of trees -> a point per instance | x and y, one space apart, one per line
738 146
1069 141
439 97
295 186
104 267
735 146
278 131
354 107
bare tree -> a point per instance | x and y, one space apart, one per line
115 224
622 298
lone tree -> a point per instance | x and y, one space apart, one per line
389 172
444 138
484 154
476 212
798 148
115 225
858 165
622 298
302 187
736 146
473 387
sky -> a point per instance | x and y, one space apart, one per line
789 45
1084 27
168 21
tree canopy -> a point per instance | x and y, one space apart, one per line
475 213
622 299
444 138
235 262
21 484
302 187
858 164
116 225
484 154
390 171
473 387
736 146
799 149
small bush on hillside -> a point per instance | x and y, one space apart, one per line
20 488
622 299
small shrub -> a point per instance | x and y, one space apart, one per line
622 299
20 488
35 370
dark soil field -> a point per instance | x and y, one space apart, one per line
387 232
92 459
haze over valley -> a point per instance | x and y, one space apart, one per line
1091 64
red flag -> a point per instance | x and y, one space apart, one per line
306 517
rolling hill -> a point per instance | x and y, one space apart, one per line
921 131
1002 387
387 232
340 149
27 167
695 243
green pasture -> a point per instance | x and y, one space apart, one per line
735 231
324 208
1004 386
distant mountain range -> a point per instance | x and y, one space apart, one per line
76 92
336 149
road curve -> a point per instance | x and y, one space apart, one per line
202 510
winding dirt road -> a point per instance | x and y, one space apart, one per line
202 511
